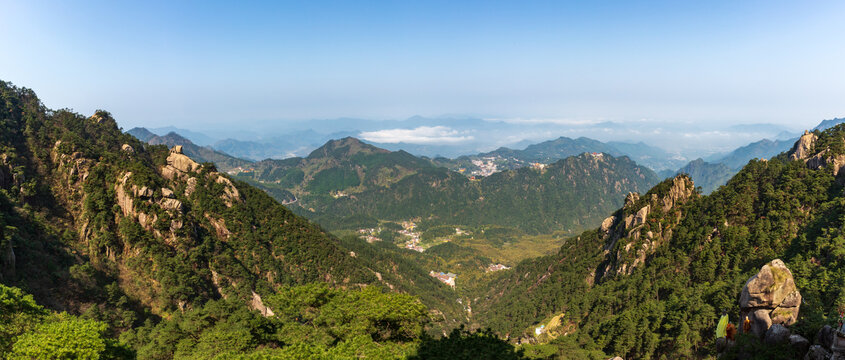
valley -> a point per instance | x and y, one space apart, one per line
283 254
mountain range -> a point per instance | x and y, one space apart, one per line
111 247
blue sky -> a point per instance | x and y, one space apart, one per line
194 63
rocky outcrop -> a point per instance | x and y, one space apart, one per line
74 165
219 227
630 238
6 179
178 164
770 297
171 205
803 146
681 190
258 304
127 149
230 192
777 334
799 343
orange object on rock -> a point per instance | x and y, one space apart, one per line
746 326
730 332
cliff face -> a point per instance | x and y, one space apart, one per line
642 225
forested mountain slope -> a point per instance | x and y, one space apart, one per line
344 166
652 280
94 222
571 194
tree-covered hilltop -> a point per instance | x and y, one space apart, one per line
651 282
570 195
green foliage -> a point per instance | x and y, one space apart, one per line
333 179
68 337
312 321
669 306
570 195
464 344
18 314
28 331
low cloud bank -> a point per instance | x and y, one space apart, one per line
419 135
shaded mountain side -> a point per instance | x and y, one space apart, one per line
763 149
141 133
653 157
571 194
827 124
200 154
85 207
709 176
651 283
553 150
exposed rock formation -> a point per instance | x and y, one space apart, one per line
127 149
638 237
803 146
5 173
770 297
777 334
178 164
230 192
257 304
681 190
171 204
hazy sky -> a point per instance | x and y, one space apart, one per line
185 63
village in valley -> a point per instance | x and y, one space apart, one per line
410 237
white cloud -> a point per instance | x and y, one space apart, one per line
420 135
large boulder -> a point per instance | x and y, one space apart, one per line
799 343
817 352
777 334
825 336
770 297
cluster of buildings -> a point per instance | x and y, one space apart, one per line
538 166
413 242
486 166
370 235
338 194
240 169
446 278
497 267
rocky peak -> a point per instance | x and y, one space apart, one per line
682 189
178 164
643 224
801 149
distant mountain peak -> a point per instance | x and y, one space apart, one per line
141 133
344 148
